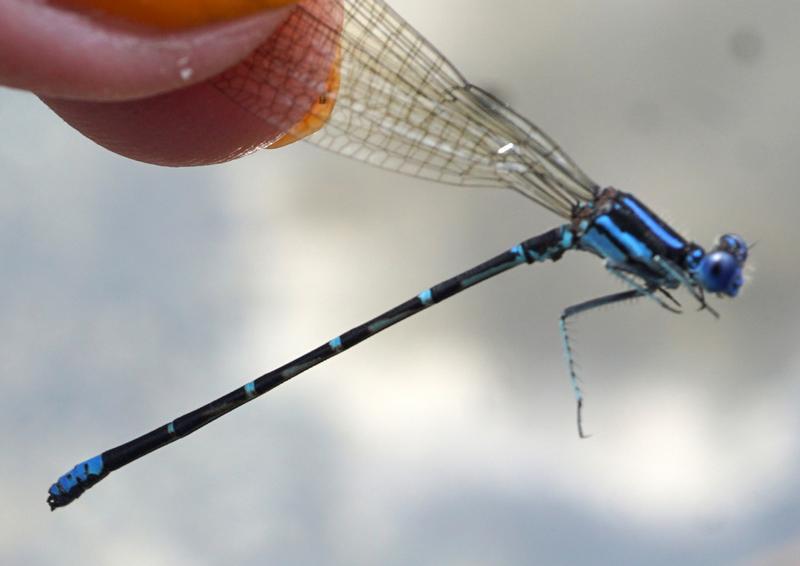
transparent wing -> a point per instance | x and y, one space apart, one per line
387 97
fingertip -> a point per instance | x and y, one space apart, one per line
231 114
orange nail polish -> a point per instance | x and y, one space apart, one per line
175 14
319 113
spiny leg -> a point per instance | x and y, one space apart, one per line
569 312
679 275
648 290
669 296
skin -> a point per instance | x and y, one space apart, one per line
144 85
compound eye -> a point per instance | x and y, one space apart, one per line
720 272
734 245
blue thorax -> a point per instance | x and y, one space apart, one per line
632 239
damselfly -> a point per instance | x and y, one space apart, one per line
382 94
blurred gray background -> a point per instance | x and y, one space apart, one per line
130 294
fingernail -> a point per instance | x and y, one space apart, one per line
174 14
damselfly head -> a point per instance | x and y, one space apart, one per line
720 270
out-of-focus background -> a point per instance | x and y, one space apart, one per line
130 294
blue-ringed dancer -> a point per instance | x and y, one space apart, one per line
392 100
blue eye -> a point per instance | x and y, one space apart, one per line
734 245
720 272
